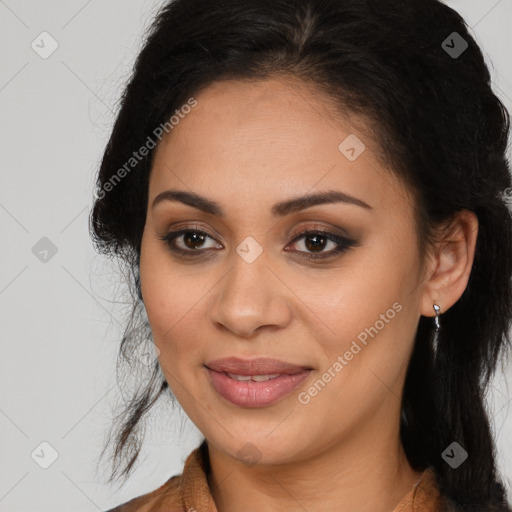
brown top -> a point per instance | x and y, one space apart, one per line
189 492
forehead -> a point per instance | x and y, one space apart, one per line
278 136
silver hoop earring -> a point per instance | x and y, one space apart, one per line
436 319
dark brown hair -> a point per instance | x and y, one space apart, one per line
439 126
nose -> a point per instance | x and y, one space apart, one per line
249 298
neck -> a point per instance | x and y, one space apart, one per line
369 472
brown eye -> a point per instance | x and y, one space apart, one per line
315 241
193 239
186 241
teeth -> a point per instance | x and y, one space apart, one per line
256 378
238 377
261 378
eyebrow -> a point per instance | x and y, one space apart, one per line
280 209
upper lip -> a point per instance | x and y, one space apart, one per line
257 366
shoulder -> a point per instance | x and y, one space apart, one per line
427 494
424 496
167 495
190 487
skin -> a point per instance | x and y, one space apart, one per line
248 145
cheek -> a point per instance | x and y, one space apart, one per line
164 295
372 313
355 297
174 300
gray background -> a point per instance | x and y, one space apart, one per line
62 318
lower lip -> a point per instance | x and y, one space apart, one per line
249 393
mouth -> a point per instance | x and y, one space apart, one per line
255 382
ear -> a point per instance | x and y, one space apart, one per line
451 263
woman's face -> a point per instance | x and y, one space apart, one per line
245 287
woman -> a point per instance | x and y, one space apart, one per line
310 195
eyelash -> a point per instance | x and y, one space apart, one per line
342 242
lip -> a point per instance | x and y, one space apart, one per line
257 366
250 393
